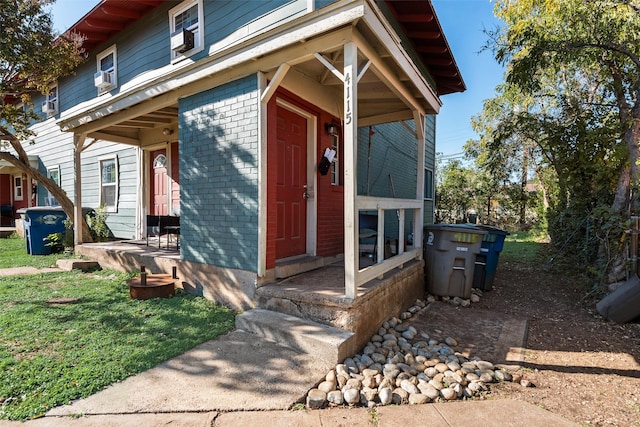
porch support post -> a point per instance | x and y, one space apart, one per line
350 169
140 203
418 217
78 144
262 174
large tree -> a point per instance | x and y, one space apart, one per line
32 58
599 36
581 44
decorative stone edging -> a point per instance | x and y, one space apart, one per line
401 365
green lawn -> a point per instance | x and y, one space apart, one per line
525 248
13 253
65 336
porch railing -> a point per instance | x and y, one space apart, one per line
382 265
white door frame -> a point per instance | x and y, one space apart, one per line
312 145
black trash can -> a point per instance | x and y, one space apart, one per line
39 223
450 255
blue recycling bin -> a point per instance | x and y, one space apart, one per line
450 252
40 222
487 260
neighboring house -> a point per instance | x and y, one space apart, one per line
221 111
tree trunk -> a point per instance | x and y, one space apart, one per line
616 270
523 190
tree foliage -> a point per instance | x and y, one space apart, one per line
32 58
573 67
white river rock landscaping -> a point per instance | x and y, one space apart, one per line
400 365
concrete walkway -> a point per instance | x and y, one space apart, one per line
23 271
488 413
242 379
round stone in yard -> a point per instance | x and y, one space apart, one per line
316 398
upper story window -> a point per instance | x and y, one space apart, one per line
106 76
186 25
50 105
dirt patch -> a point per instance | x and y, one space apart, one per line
583 367
62 301
495 337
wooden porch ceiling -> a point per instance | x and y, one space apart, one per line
129 130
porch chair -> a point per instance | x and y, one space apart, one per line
368 229
153 227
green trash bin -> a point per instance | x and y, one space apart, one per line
450 256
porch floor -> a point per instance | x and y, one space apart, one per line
7 231
138 251
322 285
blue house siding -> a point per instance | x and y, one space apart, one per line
390 157
219 175
122 222
55 150
145 46
430 164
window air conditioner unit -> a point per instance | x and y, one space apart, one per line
182 41
49 107
102 79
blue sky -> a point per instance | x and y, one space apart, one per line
463 22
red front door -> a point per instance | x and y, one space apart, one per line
291 206
159 182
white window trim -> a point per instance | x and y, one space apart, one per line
199 39
108 208
18 179
114 72
50 200
335 164
48 98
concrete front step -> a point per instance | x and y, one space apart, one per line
324 342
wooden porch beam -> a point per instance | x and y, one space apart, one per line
329 66
106 136
350 129
418 220
384 118
267 93
262 177
78 146
385 74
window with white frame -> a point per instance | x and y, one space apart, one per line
428 184
335 164
50 105
109 183
106 76
186 25
18 193
54 175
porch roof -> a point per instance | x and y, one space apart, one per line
8 168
